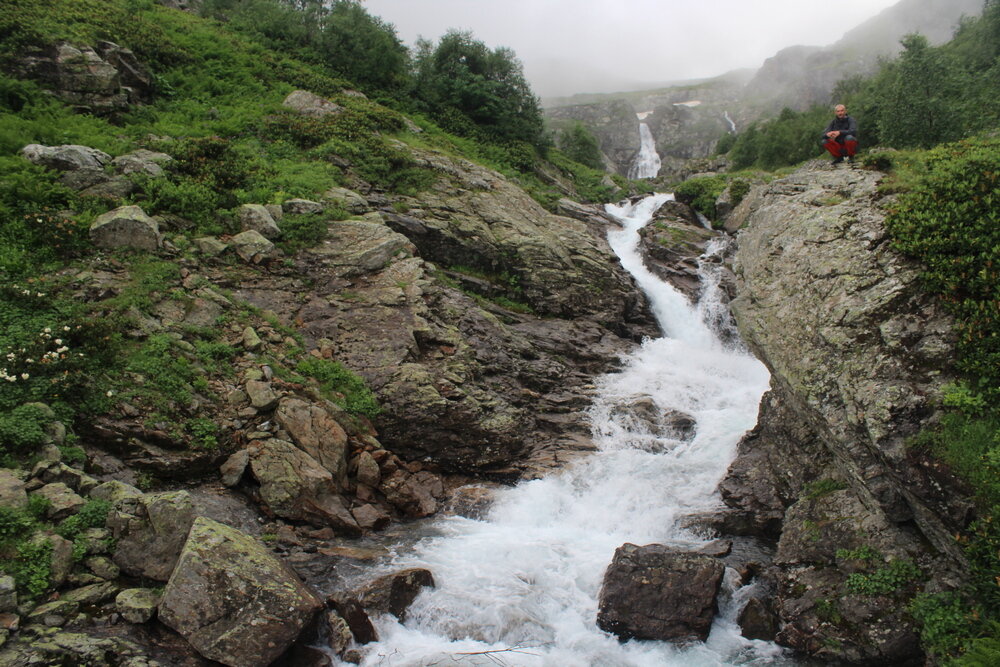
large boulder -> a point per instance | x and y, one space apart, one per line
295 486
69 157
233 600
658 592
394 593
259 219
150 531
125 227
311 104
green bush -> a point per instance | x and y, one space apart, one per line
92 515
892 578
346 389
700 193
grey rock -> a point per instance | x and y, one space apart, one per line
12 490
150 534
69 157
257 218
142 161
315 431
394 593
310 104
351 201
125 227
210 246
63 501
8 594
233 600
262 395
251 246
137 605
301 207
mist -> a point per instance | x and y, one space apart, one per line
576 46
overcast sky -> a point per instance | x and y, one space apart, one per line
573 46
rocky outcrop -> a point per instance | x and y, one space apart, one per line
233 600
672 244
657 592
103 81
858 356
614 124
125 227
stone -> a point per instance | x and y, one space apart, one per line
252 246
142 161
315 432
125 227
370 517
12 490
251 340
294 486
394 593
232 600
63 501
115 492
310 104
353 613
103 567
367 470
262 395
234 467
137 605
68 157
408 495
257 218
302 207
339 632
350 200
656 592
150 534
8 594
210 246
757 621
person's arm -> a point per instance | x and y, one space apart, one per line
829 128
852 127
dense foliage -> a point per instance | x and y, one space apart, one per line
577 143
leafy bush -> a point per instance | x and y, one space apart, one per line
579 145
948 221
14 524
92 515
945 621
31 567
701 193
895 576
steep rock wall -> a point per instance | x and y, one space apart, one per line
858 357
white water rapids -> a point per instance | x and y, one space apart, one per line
520 588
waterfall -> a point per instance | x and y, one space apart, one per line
520 587
647 162
732 123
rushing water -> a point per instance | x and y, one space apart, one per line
520 588
647 162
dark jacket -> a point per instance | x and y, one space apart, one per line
845 125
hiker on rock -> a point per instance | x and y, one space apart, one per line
841 136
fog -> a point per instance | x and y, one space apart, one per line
575 46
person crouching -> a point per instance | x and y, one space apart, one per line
841 136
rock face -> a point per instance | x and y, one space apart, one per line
657 592
614 124
672 244
463 383
858 357
233 600
125 227
103 80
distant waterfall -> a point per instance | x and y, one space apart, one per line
647 162
732 124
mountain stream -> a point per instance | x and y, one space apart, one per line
520 587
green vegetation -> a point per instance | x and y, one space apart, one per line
341 385
578 144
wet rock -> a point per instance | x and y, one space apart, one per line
339 633
394 593
232 600
125 227
656 592
370 517
644 416
257 218
8 594
356 618
150 532
408 494
757 621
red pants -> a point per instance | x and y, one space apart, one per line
847 148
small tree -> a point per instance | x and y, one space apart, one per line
578 144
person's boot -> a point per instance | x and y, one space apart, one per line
837 160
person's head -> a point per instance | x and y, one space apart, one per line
840 110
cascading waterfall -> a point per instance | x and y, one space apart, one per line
732 123
647 162
520 587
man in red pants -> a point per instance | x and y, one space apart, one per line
841 136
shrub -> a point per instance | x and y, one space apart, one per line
347 389
701 193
